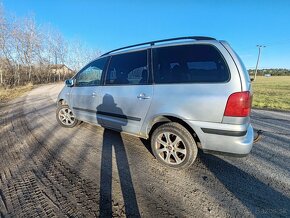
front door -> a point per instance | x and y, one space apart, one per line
85 96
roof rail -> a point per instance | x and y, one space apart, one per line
162 40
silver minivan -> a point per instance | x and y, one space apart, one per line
183 94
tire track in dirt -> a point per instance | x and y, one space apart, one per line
49 171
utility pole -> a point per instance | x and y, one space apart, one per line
259 47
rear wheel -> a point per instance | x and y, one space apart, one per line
173 145
65 117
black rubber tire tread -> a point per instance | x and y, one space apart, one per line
186 137
75 123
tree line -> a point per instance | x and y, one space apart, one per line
272 72
31 53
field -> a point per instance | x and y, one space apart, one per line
272 92
8 94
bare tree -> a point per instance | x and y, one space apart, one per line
27 41
2 41
56 48
28 52
4 45
79 54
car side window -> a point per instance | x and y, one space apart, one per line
128 69
189 64
91 75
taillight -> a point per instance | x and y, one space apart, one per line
238 105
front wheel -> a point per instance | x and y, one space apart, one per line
173 145
65 117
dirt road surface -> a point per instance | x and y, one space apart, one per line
50 171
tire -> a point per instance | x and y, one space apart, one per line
179 151
65 117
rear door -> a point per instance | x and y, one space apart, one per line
127 93
193 80
85 95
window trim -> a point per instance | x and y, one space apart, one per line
148 69
220 53
150 66
107 68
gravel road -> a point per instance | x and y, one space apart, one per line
50 171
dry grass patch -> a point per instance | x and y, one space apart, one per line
7 94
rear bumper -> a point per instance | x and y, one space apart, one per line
224 138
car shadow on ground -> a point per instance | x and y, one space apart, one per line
113 139
261 199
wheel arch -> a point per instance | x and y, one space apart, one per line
161 119
61 102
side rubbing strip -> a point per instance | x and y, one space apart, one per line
82 109
122 116
118 115
224 132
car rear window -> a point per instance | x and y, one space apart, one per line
189 64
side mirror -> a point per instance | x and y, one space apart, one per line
69 82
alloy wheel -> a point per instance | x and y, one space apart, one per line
170 148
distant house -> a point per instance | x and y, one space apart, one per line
267 75
61 69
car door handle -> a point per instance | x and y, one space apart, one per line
93 94
143 96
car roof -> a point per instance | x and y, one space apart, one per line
150 44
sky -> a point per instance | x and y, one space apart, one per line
106 25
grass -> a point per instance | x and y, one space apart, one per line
272 92
7 94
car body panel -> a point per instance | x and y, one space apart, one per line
84 100
125 103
